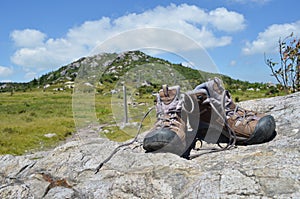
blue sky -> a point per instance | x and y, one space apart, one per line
40 36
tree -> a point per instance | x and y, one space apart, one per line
287 71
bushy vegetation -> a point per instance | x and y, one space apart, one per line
287 70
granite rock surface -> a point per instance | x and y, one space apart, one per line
270 170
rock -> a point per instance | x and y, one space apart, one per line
270 170
50 135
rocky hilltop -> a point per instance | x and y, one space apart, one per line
270 170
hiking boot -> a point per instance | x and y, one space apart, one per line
223 121
168 133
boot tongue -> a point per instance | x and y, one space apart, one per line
229 104
167 94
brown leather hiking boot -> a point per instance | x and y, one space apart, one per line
249 126
222 121
168 133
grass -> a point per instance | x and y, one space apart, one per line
26 117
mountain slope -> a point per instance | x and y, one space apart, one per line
106 70
112 70
117 65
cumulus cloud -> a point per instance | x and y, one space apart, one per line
28 38
53 53
38 52
5 71
220 16
189 20
267 41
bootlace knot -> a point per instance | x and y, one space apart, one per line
241 115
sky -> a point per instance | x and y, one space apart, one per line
37 37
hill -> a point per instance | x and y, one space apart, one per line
117 65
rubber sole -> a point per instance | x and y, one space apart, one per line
163 140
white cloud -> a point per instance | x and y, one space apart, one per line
28 38
232 63
267 41
226 20
5 71
37 53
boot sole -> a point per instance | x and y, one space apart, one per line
163 140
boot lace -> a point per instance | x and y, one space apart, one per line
232 135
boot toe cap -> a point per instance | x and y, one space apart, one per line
158 139
264 131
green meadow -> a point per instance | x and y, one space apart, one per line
26 117
37 120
